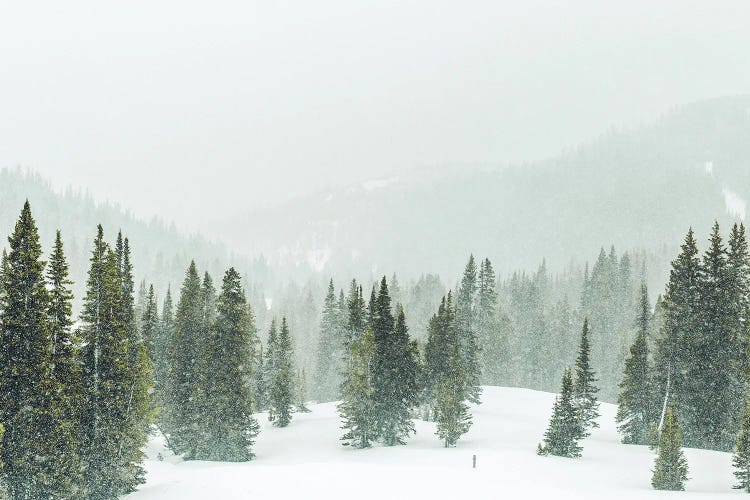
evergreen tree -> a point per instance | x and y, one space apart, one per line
281 391
565 429
330 354
442 339
466 325
741 458
270 366
492 345
453 417
106 377
230 426
585 390
635 413
357 316
182 419
162 367
38 448
151 333
670 472
357 408
395 371
138 409
260 380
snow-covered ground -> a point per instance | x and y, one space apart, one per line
305 460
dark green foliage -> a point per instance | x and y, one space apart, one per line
226 391
357 408
281 397
39 437
466 326
395 368
260 380
151 334
331 343
356 314
453 417
442 339
741 458
565 429
492 338
584 389
670 471
181 419
636 411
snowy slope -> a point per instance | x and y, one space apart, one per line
306 460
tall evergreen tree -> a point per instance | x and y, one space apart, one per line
565 427
330 349
741 458
670 472
182 419
230 425
584 390
492 344
357 408
270 366
635 413
466 325
106 377
281 390
357 317
38 427
162 366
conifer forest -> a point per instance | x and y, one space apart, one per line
374 250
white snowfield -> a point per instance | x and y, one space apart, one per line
306 460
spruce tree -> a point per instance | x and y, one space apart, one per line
330 353
38 448
741 458
106 377
565 428
635 413
281 391
230 425
453 417
357 408
584 390
357 318
151 333
270 366
260 380
466 325
670 472
182 419
492 344
161 360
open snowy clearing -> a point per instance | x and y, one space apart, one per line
306 460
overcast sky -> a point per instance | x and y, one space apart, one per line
194 109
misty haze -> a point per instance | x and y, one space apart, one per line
356 249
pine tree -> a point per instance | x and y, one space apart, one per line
670 472
330 353
584 389
635 413
260 380
270 366
565 429
741 458
357 408
162 367
357 317
230 426
301 392
453 417
182 419
395 371
442 339
138 409
492 344
38 439
106 377
281 391
466 325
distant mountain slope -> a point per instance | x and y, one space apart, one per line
161 253
639 188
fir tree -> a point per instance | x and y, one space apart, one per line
565 429
741 458
269 367
260 380
441 340
492 344
162 367
281 395
106 377
466 325
230 426
584 389
182 419
453 417
357 318
635 412
357 408
38 448
330 345
670 472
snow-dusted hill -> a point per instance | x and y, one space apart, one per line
305 460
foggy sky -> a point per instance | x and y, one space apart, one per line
192 110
